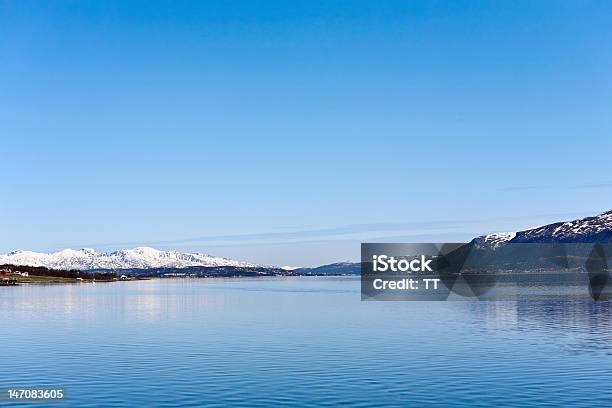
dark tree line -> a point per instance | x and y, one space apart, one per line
58 273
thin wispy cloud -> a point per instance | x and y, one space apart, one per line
356 232
559 187
594 186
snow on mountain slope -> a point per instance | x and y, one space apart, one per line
589 229
597 229
584 230
494 240
137 258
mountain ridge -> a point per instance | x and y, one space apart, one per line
594 229
136 258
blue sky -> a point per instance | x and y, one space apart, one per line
288 132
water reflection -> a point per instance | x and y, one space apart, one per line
304 342
584 324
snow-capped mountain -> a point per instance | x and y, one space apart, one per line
596 229
137 258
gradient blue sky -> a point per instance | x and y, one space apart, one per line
288 132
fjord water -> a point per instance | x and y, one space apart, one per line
300 342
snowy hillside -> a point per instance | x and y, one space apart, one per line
585 230
137 258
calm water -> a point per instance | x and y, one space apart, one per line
300 341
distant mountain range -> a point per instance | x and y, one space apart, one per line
338 268
137 258
596 229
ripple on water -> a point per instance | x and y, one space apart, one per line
301 341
